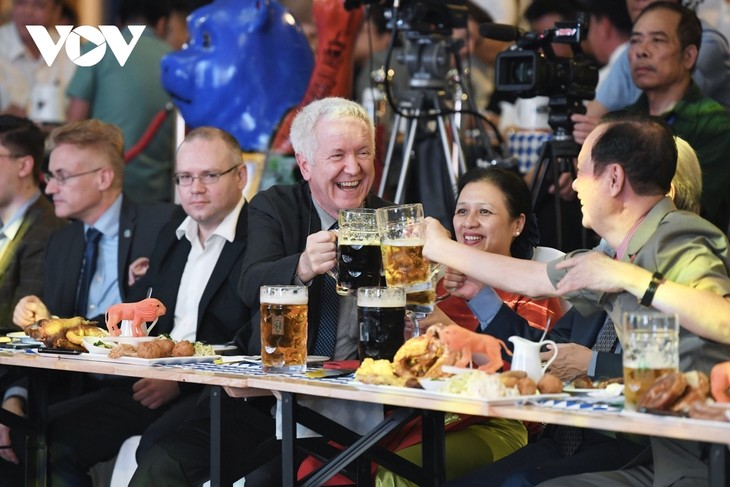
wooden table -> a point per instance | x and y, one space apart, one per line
247 382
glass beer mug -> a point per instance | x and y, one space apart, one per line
651 350
381 313
402 235
284 328
358 251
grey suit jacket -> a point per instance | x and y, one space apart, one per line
21 266
687 250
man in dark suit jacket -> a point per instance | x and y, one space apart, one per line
193 270
285 219
27 218
85 176
85 181
334 145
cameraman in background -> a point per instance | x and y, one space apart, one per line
552 65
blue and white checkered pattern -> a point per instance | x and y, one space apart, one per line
525 146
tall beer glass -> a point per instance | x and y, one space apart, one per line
651 350
358 250
402 235
283 328
381 313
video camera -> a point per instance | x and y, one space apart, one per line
426 27
422 16
531 68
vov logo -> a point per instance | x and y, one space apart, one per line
71 38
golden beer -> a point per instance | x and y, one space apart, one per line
421 301
404 264
638 381
284 328
651 350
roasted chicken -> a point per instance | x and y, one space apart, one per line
64 333
424 355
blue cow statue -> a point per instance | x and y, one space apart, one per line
247 63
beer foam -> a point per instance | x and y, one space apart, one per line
284 297
380 302
404 242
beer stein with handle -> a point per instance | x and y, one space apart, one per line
402 235
358 251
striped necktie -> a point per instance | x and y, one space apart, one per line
88 269
329 311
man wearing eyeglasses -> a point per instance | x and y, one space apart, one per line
85 176
85 182
194 270
27 219
333 139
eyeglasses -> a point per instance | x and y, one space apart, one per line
205 178
11 156
61 178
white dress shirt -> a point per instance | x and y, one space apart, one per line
199 267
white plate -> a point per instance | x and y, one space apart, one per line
88 343
194 359
130 340
577 390
449 396
612 390
224 347
20 336
452 369
256 359
436 385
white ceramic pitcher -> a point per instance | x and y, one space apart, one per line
526 356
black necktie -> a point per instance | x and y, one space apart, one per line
88 269
329 310
570 438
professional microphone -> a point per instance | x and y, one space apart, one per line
500 32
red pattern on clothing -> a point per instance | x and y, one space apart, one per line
535 311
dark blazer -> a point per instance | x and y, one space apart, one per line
280 220
571 328
221 313
21 266
138 229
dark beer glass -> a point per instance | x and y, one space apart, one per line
358 250
381 315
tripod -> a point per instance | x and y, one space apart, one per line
556 157
414 106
